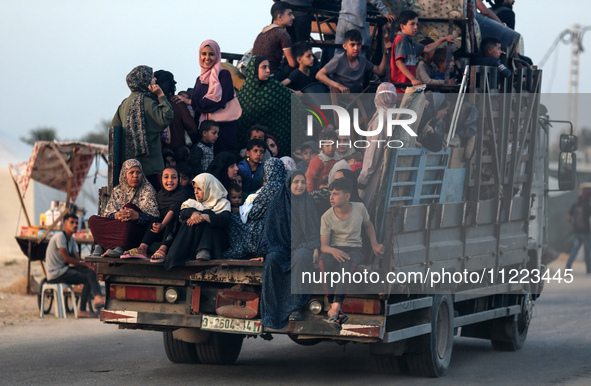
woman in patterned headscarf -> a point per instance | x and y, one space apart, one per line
144 114
132 207
203 223
369 177
266 101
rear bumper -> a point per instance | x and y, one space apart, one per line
359 327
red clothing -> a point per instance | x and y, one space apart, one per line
270 43
318 171
408 50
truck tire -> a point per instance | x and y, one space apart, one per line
390 364
48 299
434 355
220 349
510 333
178 351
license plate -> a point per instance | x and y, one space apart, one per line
220 323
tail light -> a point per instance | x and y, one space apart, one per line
138 293
361 306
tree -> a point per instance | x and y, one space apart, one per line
40 134
100 135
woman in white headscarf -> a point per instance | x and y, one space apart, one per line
203 222
372 159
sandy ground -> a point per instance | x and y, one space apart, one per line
18 308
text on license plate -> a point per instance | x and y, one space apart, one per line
220 323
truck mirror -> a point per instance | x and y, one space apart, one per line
568 142
567 170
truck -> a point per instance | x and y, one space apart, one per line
474 214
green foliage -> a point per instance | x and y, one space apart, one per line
100 135
40 134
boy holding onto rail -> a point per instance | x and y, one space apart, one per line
403 63
490 48
349 68
340 242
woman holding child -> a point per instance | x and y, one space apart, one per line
203 221
213 97
132 207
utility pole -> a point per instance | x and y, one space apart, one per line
573 82
574 36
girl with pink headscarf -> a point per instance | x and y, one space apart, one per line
213 96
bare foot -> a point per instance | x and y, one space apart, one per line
335 308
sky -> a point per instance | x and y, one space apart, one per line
65 61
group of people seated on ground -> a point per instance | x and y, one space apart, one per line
186 192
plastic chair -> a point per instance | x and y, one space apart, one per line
58 291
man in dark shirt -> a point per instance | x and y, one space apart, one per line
274 41
578 216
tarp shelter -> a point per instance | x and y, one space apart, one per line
59 165
38 196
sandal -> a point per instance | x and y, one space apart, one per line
158 257
115 253
203 255
343 318
133 253
333 321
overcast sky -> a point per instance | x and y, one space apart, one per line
65 61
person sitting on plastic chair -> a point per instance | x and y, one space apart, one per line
61 252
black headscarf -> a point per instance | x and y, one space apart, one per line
305 222
166 81
171 201
219 167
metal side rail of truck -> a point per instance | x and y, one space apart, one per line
479 209
483 215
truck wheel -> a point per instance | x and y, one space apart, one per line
304 342
390 364
178 351
220 349
434 356
510 332
48 299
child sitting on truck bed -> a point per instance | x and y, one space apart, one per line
320 166
340 241
491 53
349 68
403 63
169 200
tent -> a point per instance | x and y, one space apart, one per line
37 197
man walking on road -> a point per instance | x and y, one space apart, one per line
578 216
